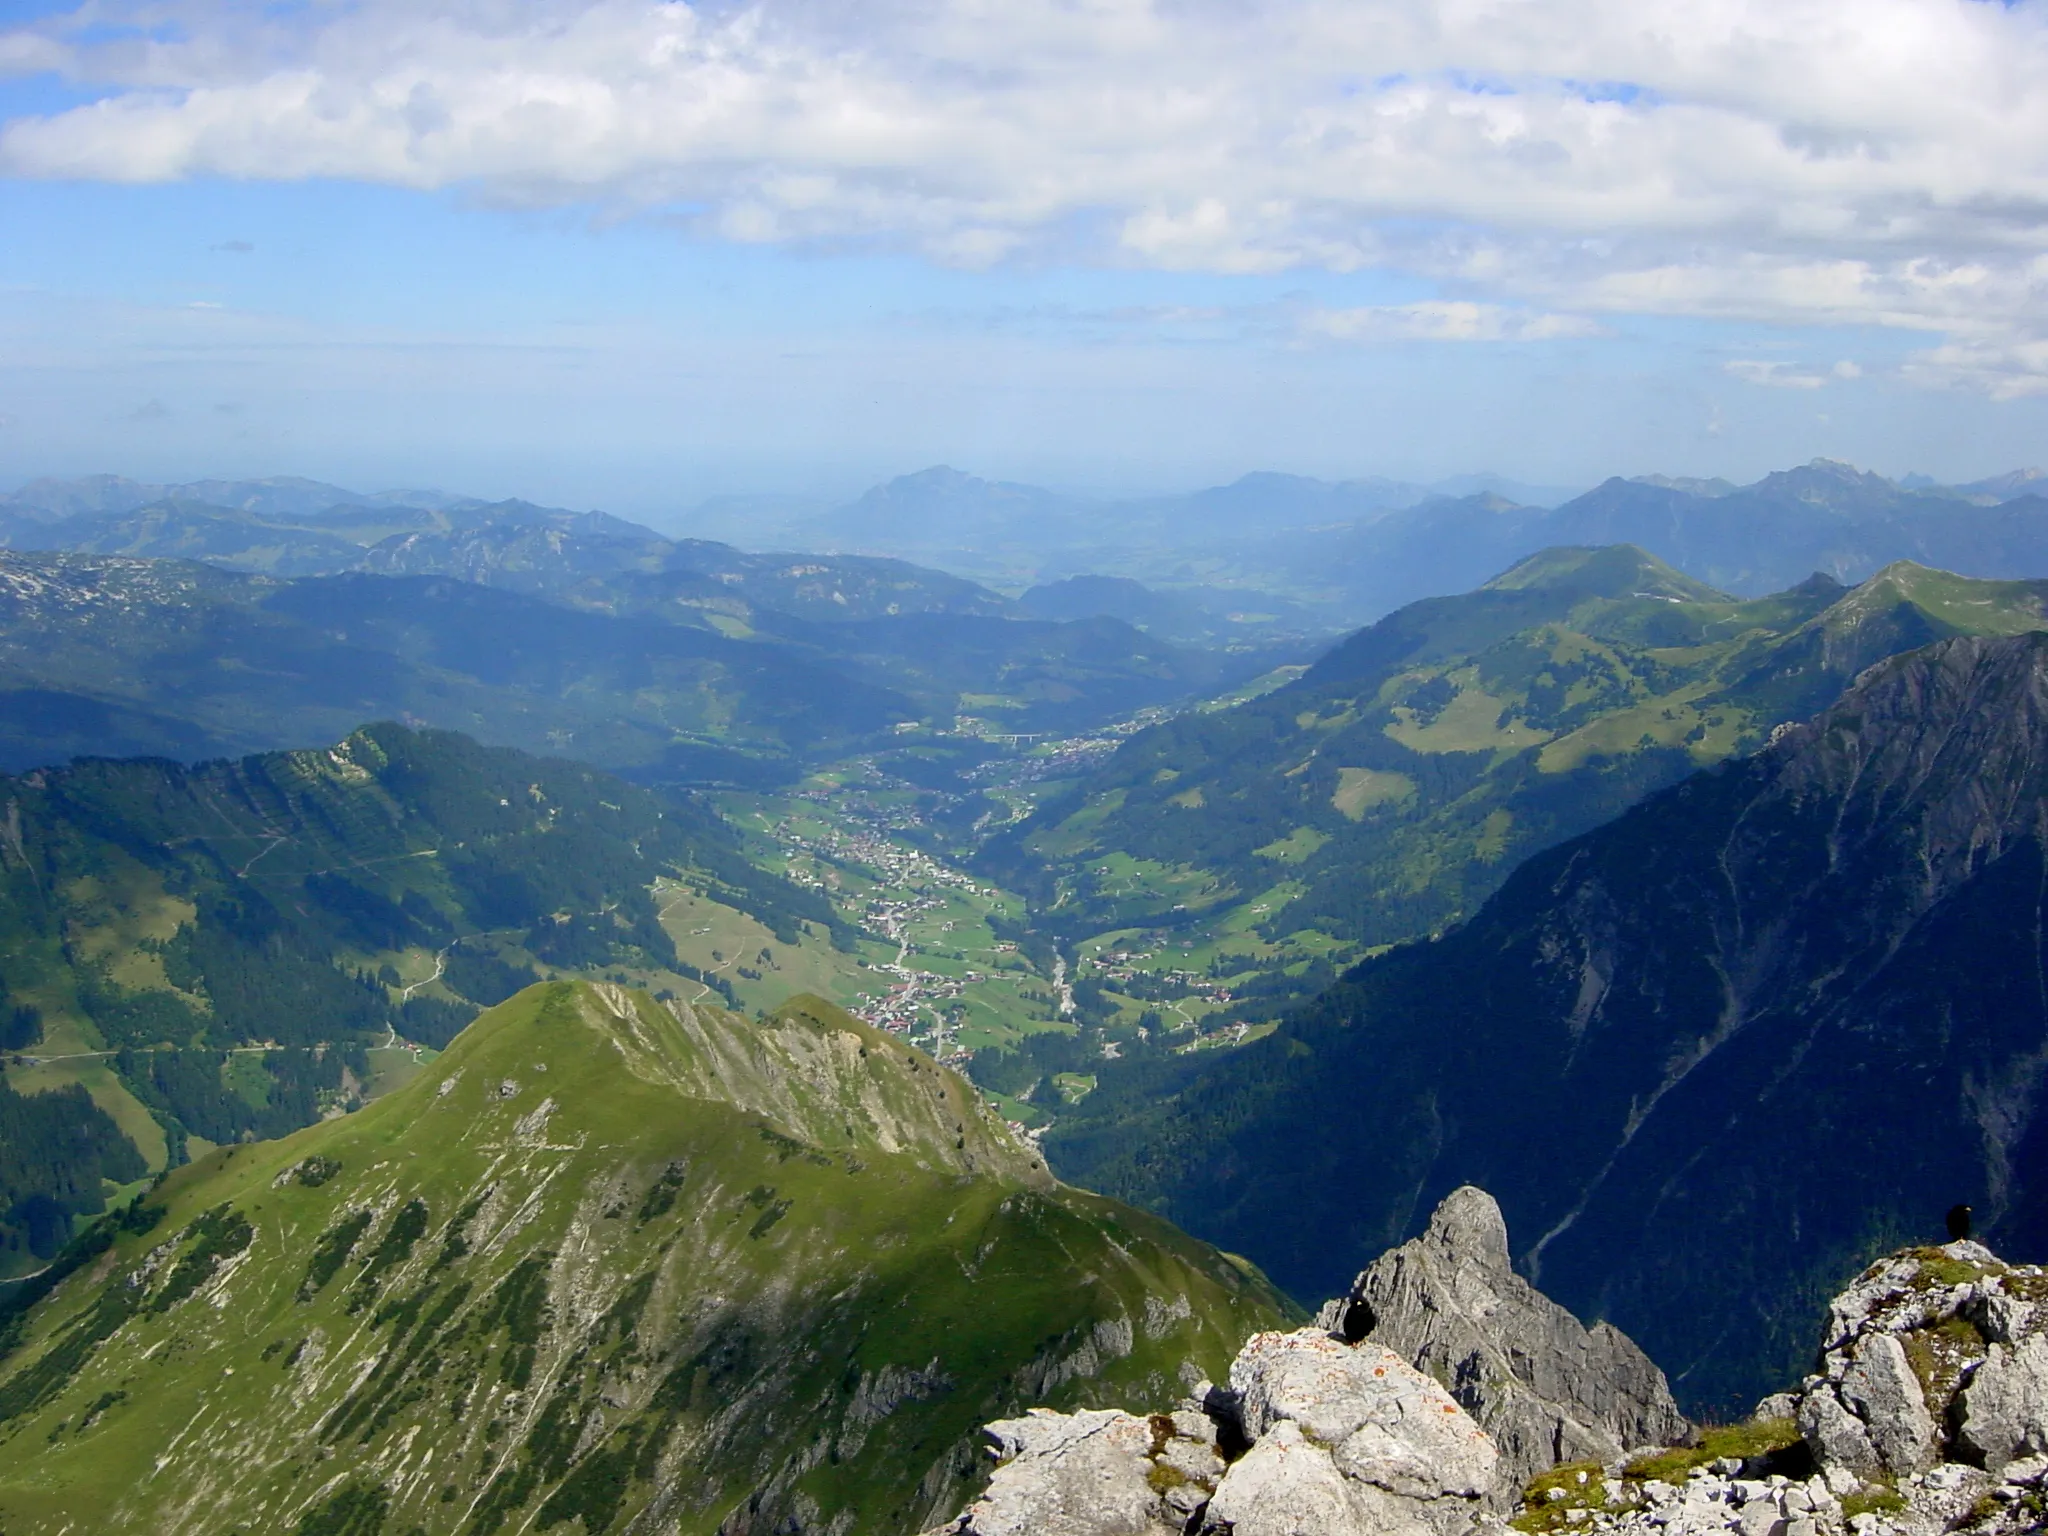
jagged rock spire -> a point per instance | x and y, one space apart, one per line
1545 1387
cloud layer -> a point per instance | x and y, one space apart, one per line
1797 161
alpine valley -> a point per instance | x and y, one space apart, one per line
513 1020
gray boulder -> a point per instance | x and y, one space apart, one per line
1545 1387
2004 1415
1093 1473
1337 1440
1347 1440
1934 1360
1932 1356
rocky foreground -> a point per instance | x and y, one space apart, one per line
1444 1396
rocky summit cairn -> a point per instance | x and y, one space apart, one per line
1545 1387
1313 1437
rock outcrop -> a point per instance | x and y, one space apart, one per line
1096 1473
1547 1389
1336 1439
1927 1413
1933 1355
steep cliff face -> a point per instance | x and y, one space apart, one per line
646 1267
1710 1058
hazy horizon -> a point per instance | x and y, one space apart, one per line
634 254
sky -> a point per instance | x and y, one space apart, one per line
634 253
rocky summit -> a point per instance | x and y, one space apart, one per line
1313 1435
606 1265
1927 1413
1544 1386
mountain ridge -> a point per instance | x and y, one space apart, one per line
1394 784
563 1276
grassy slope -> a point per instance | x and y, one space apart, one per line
1391 788
793 1265
119 878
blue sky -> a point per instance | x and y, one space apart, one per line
631 254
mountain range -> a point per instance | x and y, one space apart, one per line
609 1264
1346 553
1269 556
1712 1057
1680 883
1391 787
119 655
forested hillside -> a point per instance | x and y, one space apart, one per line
210 950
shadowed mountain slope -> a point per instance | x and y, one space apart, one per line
1711 1057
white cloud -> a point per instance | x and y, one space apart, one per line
1444 320
1774 375
2009 368
1780 160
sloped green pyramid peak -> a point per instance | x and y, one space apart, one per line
609 1265
1615 571
810 1069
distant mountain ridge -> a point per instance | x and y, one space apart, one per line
1267 555
1346 552
1711 1056
118 656
276 496
673 675
1395 784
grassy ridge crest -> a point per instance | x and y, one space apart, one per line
609 1260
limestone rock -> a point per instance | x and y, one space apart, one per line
1346 1440
1386 1424
1543 1386
1287 1485
1881 1389
2005 1406
1837 1437
1071 1474
1931 1355
1927 1414
1342 1441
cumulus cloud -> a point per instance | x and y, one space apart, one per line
2010 368
1780 160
